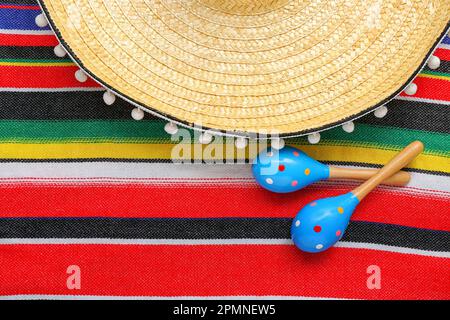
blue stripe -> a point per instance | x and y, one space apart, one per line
446 40
19 19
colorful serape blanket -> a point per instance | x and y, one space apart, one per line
92 206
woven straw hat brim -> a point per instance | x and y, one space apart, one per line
252 66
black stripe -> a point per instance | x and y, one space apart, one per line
230 228
82 105
444 67
400 236
30 53
413 115
89 105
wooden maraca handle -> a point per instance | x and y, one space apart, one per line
396 164
399 179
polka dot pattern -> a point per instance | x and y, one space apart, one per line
290 169
324 222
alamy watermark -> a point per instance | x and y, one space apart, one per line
73 281
374 279
221 148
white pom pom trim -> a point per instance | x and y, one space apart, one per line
381 112
171 128
109 98
348 127
137 114
41 21
205 138
434 62
59 51
277 143
240 143
81 76
411 89
314 138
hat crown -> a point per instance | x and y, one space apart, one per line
244 7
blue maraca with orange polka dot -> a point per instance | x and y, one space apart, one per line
320 224
290 169
287 170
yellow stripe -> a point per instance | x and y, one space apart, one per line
374 156
163 151
37 64
433 76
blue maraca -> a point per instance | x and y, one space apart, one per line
320 224
290 169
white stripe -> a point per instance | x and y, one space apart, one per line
167 173
90 297
444 102
230 242
50 89
381 247
444 46
27 32
123 170
145 242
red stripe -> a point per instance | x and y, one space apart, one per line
19 7
443 54
20 40
214 201
41 77
215 270
429 88
57 77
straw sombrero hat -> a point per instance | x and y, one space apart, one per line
252 66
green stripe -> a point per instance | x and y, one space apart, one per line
83 130
384 137
434 73
152 131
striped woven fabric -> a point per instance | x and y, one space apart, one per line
82 184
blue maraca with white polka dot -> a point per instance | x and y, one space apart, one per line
320 224
287 170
